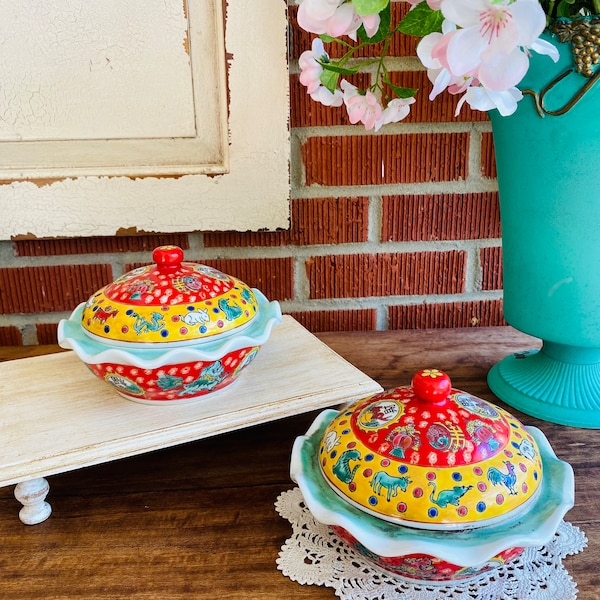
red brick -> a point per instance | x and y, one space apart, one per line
338 320
50 289
364 275
10 336
491 267
413 218
385 159
488 157
483 313
330 221
46 333
274 277
314 221
245 239
97 245
439 110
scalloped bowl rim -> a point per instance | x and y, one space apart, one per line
466 548
71 335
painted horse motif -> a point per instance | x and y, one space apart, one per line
103 315
342 469
392 484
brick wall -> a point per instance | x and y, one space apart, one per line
392 230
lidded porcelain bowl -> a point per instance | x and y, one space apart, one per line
170 332
431 483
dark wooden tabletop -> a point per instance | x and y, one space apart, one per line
197 521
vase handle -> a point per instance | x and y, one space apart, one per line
540 99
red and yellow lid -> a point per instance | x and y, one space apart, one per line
169 301
431 456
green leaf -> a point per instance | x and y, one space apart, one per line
402 92
384 27
327 39
563 9
329 79
337 69
421 20
369 7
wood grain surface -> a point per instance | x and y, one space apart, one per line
197 521
56 418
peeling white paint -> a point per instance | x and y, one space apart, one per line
253 195
94 70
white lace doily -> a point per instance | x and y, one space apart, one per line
315 555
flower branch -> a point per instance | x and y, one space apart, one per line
478 49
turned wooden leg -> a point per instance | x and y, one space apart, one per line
32 495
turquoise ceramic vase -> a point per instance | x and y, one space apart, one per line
548 162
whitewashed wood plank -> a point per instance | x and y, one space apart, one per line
56 416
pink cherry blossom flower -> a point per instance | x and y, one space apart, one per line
491 37
325 97
431 51
481 53
364 109
332 17
480 98
310 75
371 24
335 18
395 111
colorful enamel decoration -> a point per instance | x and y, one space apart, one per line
417 480
170 332
431 456
170 301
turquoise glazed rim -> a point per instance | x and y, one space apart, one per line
466 548
71 335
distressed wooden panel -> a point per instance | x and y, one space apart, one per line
105 88
110 189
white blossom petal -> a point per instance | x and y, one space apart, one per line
530 19
503 71
543 47
464 50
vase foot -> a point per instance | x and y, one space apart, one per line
559 384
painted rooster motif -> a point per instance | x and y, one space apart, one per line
508 479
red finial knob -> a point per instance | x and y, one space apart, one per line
431 385
167 258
